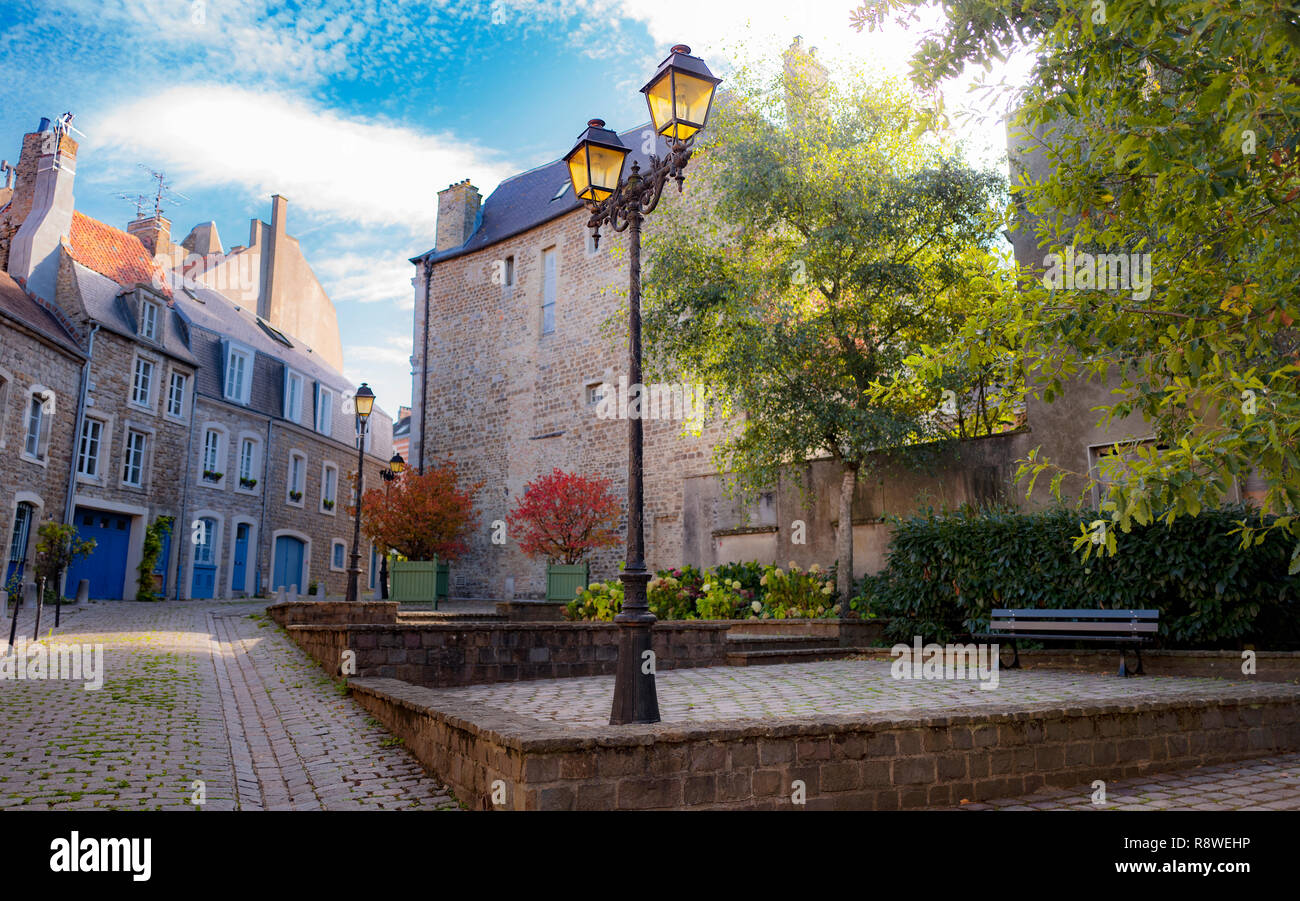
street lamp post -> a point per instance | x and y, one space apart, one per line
680 96
396 467
365 402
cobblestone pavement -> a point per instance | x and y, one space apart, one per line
1265 783
195 691
833 688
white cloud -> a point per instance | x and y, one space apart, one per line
379 278
342 170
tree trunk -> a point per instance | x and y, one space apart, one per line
844 539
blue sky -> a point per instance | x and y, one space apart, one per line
359 111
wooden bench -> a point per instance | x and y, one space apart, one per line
1120 628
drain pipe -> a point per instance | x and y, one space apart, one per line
83 390
181 531
424 359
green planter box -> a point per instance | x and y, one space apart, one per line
564 580
419 581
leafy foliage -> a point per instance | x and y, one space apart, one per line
688 593
827 240
151 551
563 517
58 546
946 572
1170 129
421 516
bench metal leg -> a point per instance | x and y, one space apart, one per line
1015 659
1138 671
1123 670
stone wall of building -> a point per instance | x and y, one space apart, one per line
110 402
30 361
508 403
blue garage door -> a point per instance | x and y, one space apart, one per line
288 564
105 567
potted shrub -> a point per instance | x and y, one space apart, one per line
327 504
564 517
425 518
210 475
247 483
295 496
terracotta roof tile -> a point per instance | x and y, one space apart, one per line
114 253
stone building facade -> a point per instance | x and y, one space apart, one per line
176 402
519 302
40 374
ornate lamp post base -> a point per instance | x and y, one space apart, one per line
635 698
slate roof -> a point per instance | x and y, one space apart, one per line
114 253
17 304
212 316
104 303
528 200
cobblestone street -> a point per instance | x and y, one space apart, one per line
196 692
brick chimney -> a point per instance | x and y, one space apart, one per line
458 207
154 232
47 187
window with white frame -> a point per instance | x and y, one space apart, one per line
206 539
133 458
297 477
212 456
293 387
92 434
176 394
38 421
248 463
239 374
149 320
142 382
324 410
329 484
338 552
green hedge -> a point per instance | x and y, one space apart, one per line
947 571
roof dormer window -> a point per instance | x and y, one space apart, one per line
149 320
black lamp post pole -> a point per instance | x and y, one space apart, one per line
635 697
387 475
354 571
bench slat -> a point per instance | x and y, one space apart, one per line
1056 636
1005 612
1023 625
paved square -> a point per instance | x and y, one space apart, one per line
196 691
847 686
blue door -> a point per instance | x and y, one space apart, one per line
239 575
203 584
18 543
105 566
288 564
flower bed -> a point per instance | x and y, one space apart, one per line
736 591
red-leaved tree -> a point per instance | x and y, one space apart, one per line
563 517
421 516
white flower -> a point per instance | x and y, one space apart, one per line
756 607
707 588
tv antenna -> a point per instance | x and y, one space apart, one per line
161 193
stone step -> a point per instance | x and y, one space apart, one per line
790 655
413 617
774 642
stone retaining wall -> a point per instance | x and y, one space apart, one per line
449 654
847 763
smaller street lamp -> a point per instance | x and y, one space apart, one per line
396 467
365 403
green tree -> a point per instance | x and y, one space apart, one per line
1172 129
828 236
58 546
